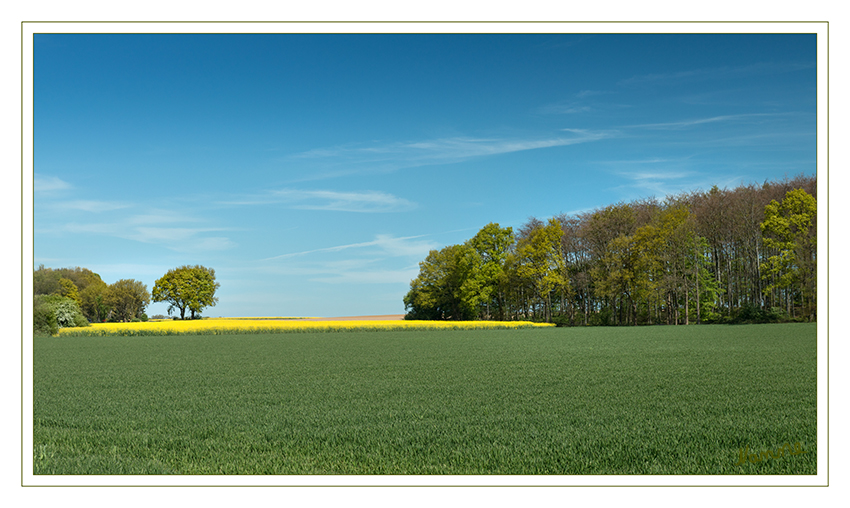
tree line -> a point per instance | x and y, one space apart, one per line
68 297
747 254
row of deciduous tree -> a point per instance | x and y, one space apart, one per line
78 290
748 253
123 300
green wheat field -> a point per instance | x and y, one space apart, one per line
547 401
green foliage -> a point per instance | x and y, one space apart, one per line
68 289
697 257
46 280
463 282
185 288
789 227
492 246
64 311
78 284
539 261
44 320
554 401
443 289
127 298
94 302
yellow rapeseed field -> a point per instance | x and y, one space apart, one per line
228 326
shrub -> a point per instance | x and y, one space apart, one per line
605 317
44 320
751 314
65 311
561 320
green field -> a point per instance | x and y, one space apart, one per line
647 400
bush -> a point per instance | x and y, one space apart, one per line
561 320
751 314
80 321
65 311
604 317
44 321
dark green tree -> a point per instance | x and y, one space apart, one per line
442 290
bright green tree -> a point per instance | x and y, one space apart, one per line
187 288
492 245
789 227
203 287
540 262
68 289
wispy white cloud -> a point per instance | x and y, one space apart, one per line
446 150
585 101
147 228
655 160
387 244
92 205
564 108
385 260
580 102
701 121
329 200
716 73
366 201
49 183
180 239
160 216
658 183
371 277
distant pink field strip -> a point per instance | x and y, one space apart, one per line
384 317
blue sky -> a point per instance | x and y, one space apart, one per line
314 172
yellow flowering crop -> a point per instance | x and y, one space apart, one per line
228 326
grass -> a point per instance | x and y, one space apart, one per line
648 400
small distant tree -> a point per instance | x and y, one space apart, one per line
128 299
185 288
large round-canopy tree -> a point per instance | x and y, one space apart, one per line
187 288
